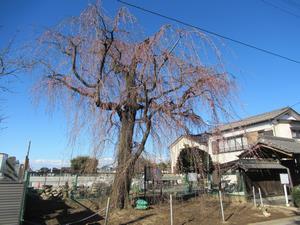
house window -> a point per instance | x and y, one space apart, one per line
231 144
245 141
239 142
268 133
265 133
295 133
221 145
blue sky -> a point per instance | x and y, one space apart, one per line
265 82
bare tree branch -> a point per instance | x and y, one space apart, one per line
119 83
74 57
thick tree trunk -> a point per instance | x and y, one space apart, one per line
122 181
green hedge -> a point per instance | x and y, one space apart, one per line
296 196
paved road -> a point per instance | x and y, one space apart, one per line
295 220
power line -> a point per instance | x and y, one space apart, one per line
295 104
292 3
280 8
211 32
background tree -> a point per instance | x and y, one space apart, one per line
66 170
140 164
194 160
56 171
44 171
116 81
84 165
164 166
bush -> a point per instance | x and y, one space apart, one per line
296 196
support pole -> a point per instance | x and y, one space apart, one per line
261 200
145 179
254 197
286 195
26 165
26 184
221 204
208 180
171 209
107 211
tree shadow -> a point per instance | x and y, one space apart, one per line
138 219
38 211
80 218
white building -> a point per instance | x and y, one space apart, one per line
229 140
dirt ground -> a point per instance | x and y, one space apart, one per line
197 211
59 212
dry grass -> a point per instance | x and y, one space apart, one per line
197 211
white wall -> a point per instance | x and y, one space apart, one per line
182 143
282 130
38 181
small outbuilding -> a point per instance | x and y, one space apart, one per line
285 151
263 174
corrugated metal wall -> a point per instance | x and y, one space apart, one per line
11 194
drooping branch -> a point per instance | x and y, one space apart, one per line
61 79
130 86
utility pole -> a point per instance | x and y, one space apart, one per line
26 164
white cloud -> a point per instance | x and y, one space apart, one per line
38 163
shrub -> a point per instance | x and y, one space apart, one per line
296 196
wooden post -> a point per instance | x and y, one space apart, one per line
171 209
153 188
221 204
290 178
107 211
254 197
261 200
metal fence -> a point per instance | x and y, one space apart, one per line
169 188
11 198
12 201
97 187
